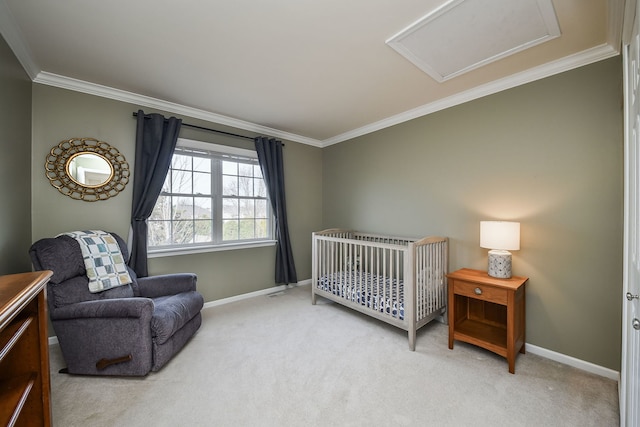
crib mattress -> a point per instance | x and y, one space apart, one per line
376 292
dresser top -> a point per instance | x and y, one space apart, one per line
16 290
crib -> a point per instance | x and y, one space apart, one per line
397 280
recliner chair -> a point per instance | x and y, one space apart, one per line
128 330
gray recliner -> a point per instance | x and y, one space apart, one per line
127 330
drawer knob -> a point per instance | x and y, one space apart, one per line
478 291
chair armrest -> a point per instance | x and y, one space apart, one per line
166 284
107 308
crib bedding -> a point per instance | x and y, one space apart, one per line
376 292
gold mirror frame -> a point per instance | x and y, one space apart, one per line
57 166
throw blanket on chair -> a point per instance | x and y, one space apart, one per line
103 260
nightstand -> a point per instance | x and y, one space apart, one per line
488 312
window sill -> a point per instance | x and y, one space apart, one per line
158 253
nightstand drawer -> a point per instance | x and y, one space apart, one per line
481 292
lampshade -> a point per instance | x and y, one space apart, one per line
504 235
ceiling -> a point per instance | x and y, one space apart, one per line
317 72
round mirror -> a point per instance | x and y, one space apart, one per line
87 169
90 170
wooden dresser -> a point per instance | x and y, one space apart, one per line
25 387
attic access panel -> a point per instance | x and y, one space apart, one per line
462 35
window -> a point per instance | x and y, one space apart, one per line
213 196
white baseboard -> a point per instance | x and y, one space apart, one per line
261 292
530 348
572 361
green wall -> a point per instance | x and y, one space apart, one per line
15 164
60 114
548 154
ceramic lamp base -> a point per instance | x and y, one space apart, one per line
499 264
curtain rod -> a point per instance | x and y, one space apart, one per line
135 114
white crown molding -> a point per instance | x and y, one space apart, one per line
580 59
15 40
13 36
615 25
63 82
577 60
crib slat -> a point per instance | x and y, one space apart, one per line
410 297
420 281
385 286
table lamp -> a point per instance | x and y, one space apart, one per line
500 237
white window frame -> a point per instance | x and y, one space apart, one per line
170 250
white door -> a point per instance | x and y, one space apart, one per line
630 369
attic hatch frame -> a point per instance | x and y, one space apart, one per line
444 43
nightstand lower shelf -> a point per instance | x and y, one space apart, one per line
492 338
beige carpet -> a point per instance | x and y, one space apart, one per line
279 361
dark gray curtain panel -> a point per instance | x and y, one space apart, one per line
270 158
156 139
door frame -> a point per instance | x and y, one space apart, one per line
628 385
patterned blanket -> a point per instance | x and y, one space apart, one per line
366 289
103 260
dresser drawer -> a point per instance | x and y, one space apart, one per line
481 292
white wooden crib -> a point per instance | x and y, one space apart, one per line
400 281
